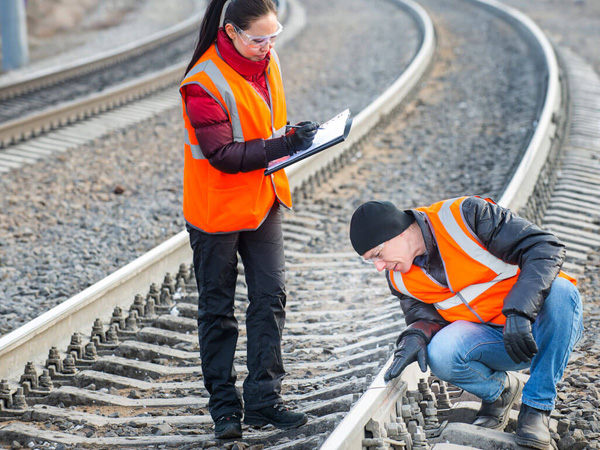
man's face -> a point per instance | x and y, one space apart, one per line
396 254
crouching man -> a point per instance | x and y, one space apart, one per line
483 294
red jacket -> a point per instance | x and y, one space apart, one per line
211 123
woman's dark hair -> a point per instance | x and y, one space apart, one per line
240 12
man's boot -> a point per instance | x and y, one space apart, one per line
533 427
495 415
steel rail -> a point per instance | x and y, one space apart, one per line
369 117
25 127
378 403
29 81
31 341
67 113
19 129
522 183
54 328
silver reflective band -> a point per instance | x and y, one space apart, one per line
470 247
470 293
196 151
220 82
213 72
227 93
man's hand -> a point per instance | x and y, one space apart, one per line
518 339
411 348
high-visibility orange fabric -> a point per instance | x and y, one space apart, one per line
464 274
218 202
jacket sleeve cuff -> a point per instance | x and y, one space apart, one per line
424 328
515 312
276 148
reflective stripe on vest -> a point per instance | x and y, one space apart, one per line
476 290
196 151
465 296
219 202
226 92
477 280
472 248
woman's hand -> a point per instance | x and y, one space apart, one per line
301 136
298 138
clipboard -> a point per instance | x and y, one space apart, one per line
330 133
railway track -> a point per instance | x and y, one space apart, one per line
64 98
135 381
54 98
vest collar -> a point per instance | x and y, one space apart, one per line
431 260
245 67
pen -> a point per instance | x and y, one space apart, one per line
300 126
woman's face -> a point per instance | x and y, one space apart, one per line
256 41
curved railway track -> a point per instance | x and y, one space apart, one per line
135 381
60 96
49 99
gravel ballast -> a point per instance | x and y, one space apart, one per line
73 219
63 225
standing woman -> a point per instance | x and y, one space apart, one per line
234 113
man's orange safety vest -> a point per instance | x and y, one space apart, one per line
478 282
219 202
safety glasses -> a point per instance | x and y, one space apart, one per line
258 41
376 255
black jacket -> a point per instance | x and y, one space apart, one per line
538 253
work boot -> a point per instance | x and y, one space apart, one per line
533 427
276 415
495 415
228 426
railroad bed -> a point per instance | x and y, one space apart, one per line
137 382
341 318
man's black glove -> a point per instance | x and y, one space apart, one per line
295 140
411 348
298 139
518 339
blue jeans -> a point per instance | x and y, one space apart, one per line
472 355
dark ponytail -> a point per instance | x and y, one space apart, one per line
240 12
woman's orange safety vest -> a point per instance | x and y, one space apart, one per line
219 202
478 282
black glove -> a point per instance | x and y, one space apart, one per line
411 348
295 140
518 340
298 139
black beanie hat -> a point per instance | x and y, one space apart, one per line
376 222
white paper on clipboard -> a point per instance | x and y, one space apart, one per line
332 132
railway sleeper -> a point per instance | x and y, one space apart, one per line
433 415
147 360
296 438
438 416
